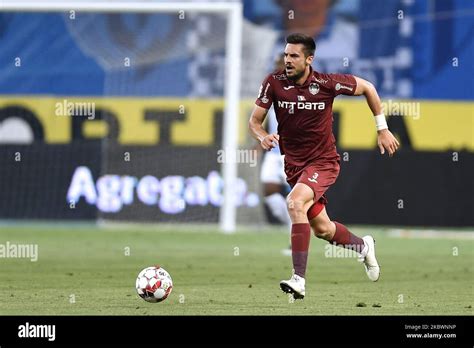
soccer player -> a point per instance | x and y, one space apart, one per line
302 99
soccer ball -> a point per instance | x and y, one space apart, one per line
154 284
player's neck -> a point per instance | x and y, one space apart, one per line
303 78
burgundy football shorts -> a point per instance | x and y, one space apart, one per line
318 176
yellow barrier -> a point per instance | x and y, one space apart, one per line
431 125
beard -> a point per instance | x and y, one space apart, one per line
296 77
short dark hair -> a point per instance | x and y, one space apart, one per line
305 40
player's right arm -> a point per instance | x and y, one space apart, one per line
267 141
262 104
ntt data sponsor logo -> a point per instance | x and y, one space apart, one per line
170 194
300 105
20 251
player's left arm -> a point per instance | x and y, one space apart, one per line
385 138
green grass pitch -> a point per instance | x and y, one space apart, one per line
92 271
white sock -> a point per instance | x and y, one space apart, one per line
277 204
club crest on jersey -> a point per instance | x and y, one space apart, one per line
313 88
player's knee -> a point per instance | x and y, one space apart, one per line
323 230
295 207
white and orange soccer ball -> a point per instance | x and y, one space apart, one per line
154 284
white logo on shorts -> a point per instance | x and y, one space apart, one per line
314 177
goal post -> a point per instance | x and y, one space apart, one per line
234 13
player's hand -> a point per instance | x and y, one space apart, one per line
270 141
386 141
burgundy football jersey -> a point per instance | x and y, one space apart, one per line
304 113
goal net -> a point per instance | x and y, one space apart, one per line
128 111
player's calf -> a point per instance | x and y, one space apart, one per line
338 234
323 230
298 201
346 239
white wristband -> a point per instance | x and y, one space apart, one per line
380 122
